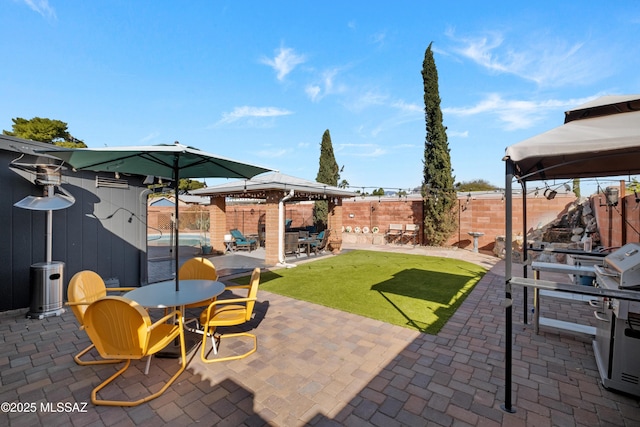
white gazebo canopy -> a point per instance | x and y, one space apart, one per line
257 187
600 138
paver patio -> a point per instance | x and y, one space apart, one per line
320 366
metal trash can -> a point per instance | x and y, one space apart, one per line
46 289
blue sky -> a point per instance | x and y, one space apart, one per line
260 81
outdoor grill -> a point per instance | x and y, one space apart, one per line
617 343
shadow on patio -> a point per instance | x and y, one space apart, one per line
319 366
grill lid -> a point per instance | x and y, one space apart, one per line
624 264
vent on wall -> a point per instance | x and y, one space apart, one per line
102 181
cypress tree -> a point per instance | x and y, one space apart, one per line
437 188
328 173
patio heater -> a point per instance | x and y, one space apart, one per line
46 279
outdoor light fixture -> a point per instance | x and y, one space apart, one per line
611 194
550 194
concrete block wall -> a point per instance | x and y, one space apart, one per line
619 224
484 213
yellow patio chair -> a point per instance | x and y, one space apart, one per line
230 312
198 268
121 329
86 287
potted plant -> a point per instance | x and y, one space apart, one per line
335 242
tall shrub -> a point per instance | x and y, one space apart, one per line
437 188
328 173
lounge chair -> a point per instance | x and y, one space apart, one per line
394 234
243 242
410 234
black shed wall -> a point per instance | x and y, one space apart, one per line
104 231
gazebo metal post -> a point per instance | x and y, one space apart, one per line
525 252
507 276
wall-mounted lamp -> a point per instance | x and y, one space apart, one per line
550 194
466 204
611 196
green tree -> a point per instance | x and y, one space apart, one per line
328 173
378 192
438 191
186 184
44 130
475 185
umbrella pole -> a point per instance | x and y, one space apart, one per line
176 254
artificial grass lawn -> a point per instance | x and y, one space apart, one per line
414 291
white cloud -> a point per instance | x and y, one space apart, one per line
366 100
150 137
548 61
42 7
313 91
515 114
408 108
244 112
284 62
404 113
459 134
379 38
325 86
272 153
360 150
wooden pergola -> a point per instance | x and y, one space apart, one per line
275 189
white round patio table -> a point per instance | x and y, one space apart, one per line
164 294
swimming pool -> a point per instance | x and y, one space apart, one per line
186 239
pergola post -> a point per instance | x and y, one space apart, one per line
271 228
334 224
218 224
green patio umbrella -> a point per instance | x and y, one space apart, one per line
166 161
